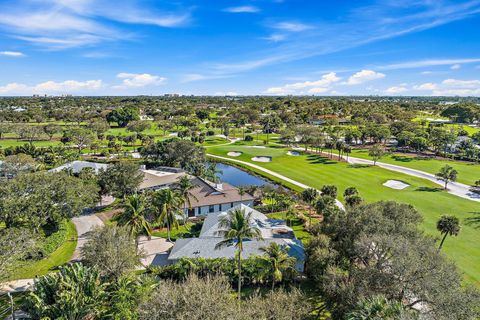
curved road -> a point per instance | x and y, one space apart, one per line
273 173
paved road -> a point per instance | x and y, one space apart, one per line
84 224
273 173
455 188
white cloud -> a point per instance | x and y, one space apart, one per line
136 80
456 66
14 54
425 86
242 9
228 93
291 26
451 87
52 87
319 86
396 90
364 76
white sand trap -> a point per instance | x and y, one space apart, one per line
260 147
395 184
234 154
262 159
293 153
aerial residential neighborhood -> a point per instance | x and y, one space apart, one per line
238 160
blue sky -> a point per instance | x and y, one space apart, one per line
271 47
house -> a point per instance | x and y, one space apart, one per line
272 230
160 178
207 197
77 166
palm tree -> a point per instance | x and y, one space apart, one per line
211 173
309 196
289 215
236 227
448 225
168 204
185 187
279 261
241 191
447 174
133 217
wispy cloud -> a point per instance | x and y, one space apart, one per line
362 26
61 24
242 9
427 63
15 54
291 26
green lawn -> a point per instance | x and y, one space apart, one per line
189 231
468 173
426 196
59 257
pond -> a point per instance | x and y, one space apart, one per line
237 177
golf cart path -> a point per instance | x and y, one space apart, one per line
273 173
456 188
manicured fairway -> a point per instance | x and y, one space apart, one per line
427 197
468 173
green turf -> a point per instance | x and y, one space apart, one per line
62 255
426 196
468 172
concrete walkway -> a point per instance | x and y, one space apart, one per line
273 173
84 224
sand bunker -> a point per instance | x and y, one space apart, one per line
293 153
395 184
260 147
234 154
262 159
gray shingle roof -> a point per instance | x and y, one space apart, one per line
272 231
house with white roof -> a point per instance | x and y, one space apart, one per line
77 166
272 230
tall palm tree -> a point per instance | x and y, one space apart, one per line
168 204
447 174
212 171
236 227
278 260
309 196
241 191
448 225
133 217
185 187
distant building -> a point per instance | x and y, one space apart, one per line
272 230
77 166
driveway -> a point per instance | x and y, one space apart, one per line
155 249
84 224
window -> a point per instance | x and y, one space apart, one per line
221 207
211 209
231 204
